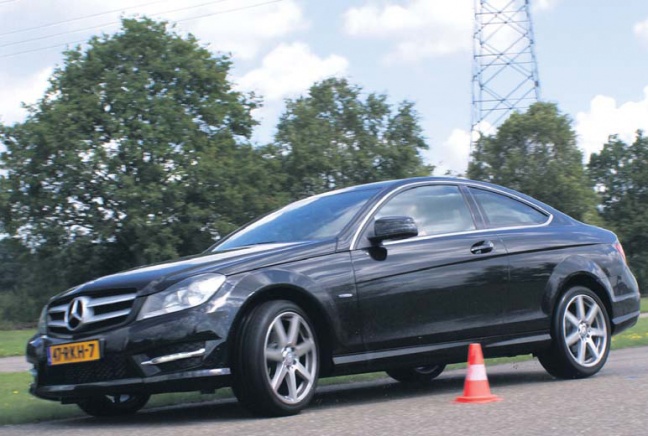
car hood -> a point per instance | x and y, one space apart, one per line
152 278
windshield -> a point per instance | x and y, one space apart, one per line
319 217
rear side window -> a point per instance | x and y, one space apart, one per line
436 209
503 211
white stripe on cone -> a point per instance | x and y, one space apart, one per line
476 372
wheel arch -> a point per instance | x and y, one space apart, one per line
300 296
578 271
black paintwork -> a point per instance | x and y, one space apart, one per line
397 303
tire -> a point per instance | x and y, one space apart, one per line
277 360
113 405
419 375
580 336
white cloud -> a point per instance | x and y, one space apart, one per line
420 28
286 72
290 69
427 28
485 128
539 5
641 31
605 117
17 90
453 154
245 32
242 27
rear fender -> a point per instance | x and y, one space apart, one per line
576 269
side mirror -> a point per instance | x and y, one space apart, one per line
393 227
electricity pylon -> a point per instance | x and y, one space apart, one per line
505 70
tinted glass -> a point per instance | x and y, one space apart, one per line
503 211
436 209
319 217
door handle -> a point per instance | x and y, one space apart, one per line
482 247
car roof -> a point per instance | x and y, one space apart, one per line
391 184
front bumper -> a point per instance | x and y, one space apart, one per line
184 351
202 380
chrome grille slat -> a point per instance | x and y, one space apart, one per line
90 312
58 309
57 324
111 300
107 316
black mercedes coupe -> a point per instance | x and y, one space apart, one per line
396 276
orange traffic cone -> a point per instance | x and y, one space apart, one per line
476 389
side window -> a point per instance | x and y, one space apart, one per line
436 209
503 211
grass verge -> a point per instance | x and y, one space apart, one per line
17 406
634 337
644 305
13 342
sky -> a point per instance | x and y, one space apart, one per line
592 56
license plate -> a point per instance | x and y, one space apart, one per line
74 352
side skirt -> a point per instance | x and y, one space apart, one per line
449 352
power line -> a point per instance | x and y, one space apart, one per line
98 26
51 35
184 19
13 32
242 8
65 44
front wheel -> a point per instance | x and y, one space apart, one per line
419 374
277 360
113 405
581 336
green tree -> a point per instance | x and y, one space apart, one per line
138 152
139 146
334 138
535 152
11 266
620 172
15 304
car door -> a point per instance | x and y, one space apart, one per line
446 284
534 250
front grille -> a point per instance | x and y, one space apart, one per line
87 313
107 369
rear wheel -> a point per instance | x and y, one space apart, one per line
419 374
113 405
581 336
277 360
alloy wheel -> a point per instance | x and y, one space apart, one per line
585 330
291 357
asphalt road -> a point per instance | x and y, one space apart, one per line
614 402
14 364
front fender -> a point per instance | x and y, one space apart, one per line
319 285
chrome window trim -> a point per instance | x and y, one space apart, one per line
365 220
468 232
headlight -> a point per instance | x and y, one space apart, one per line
183 295
42 321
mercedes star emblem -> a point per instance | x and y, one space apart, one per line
75 315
